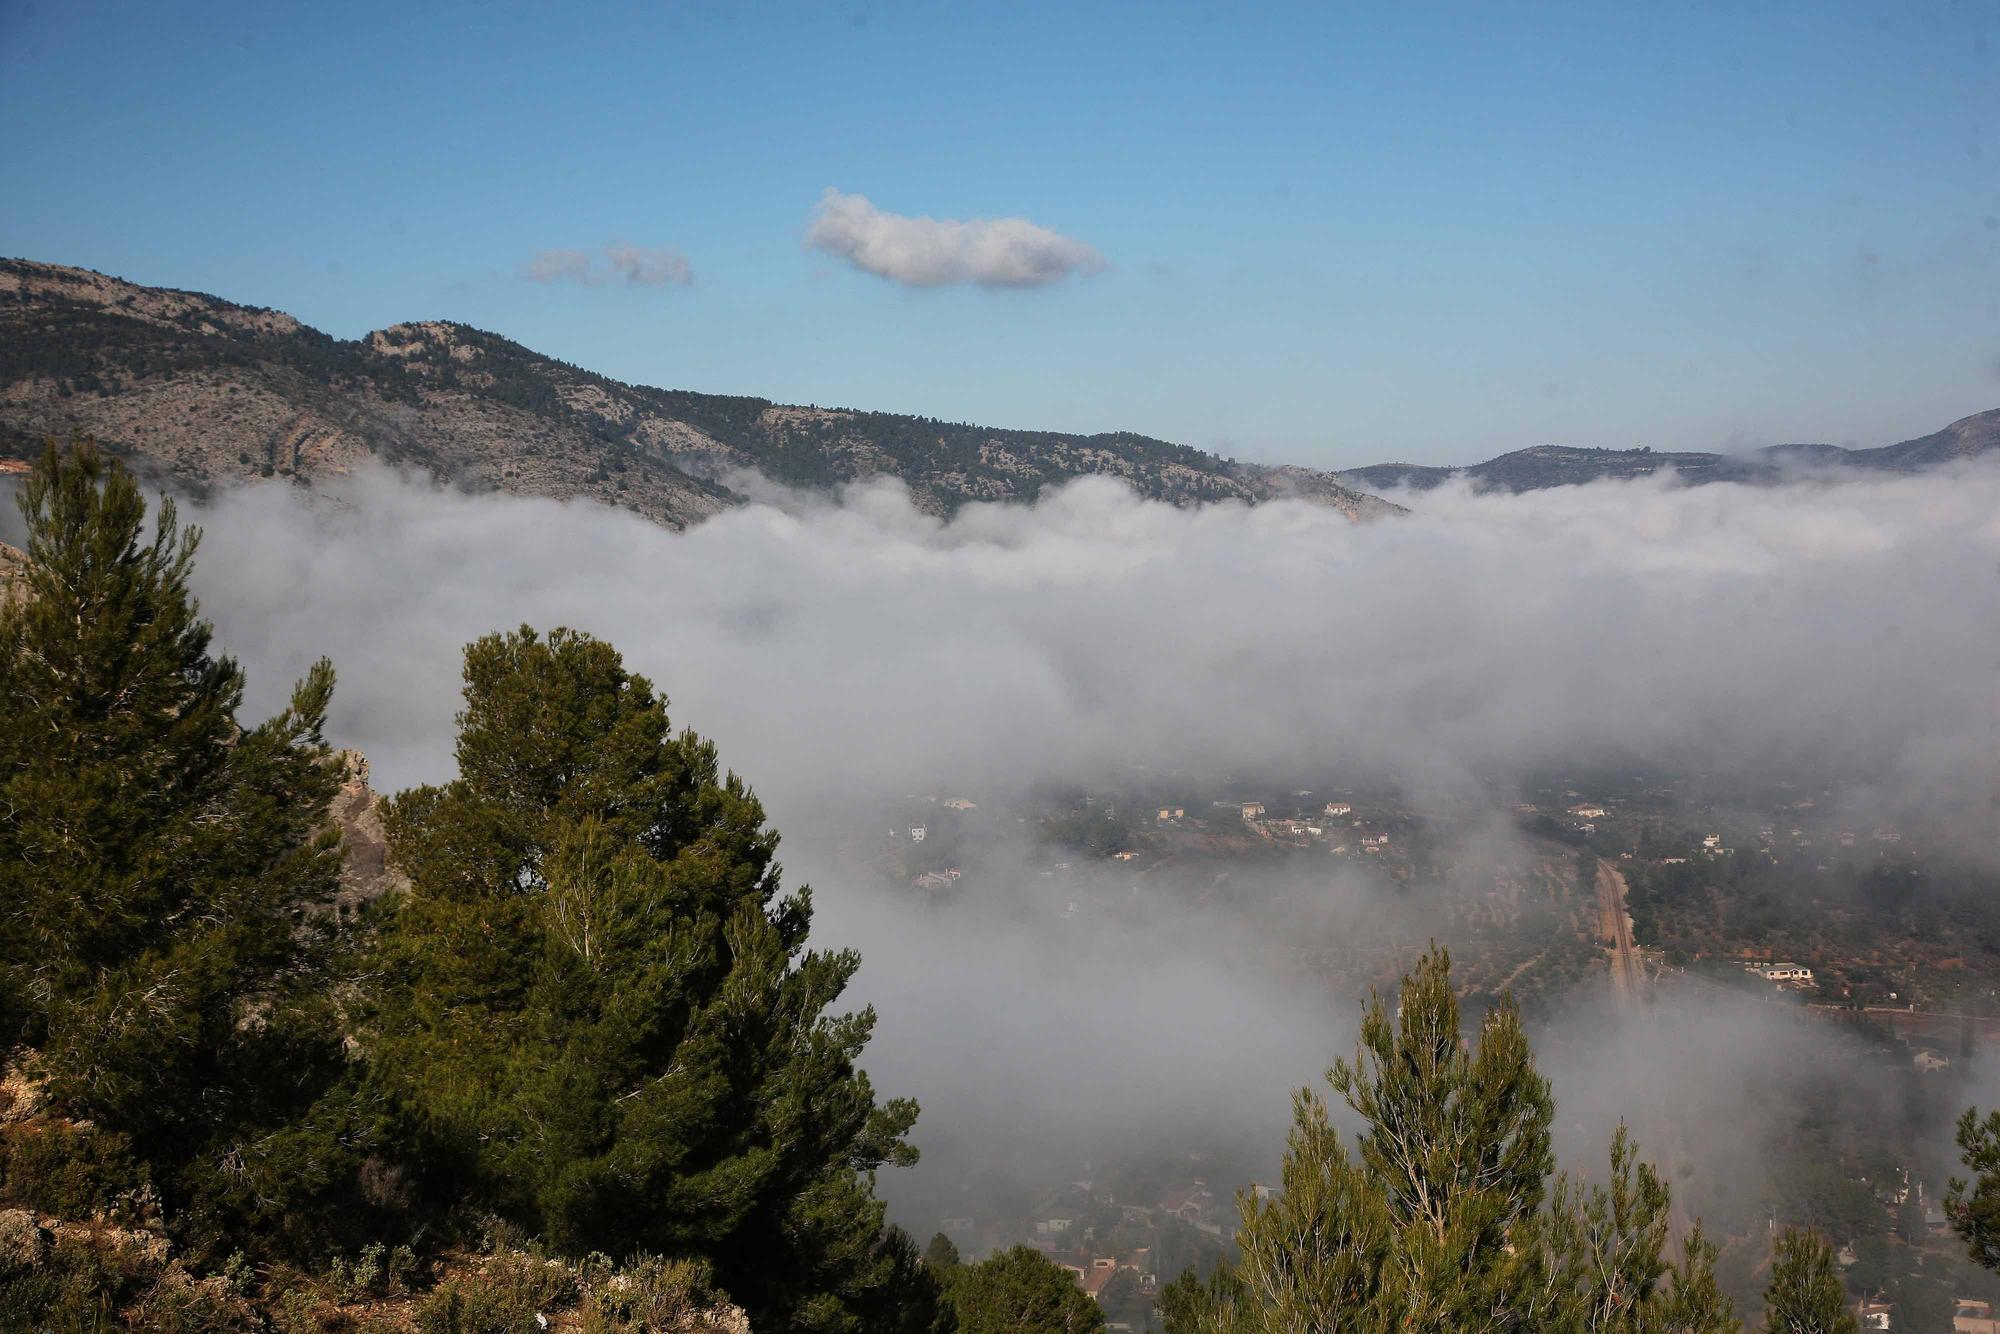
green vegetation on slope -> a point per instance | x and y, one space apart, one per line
585 1063
590 1020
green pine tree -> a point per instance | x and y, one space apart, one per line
1599 1262
942 1254
1695 1302
1440 1219
153 860
1805 1296
1411 1231
595 1014
1188 1305
1020 1292
1974 1207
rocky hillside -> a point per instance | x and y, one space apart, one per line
83 1246
199 390
1558 465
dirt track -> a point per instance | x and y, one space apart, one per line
1659 1138
1615 928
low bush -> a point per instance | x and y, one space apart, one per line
68 1170
503 1296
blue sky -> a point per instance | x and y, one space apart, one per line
1329 234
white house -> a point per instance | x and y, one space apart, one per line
1782 972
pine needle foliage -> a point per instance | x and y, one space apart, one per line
154 860
1441 1218
1019 1291
1974 1206
595 1013
1805 1295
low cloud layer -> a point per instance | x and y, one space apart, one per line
630 265
945 252
866 647
848 652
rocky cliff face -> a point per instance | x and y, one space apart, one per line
365 873
201 390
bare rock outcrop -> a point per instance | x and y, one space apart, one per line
365 872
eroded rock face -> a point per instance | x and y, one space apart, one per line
365 873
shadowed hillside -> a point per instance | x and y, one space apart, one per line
199 390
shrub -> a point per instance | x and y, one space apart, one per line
650 1295
67 1170
180 1304
502 1297
82 1280
376 1272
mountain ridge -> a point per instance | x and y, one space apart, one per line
1542 466
199 390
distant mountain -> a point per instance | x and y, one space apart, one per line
1560 465
198 390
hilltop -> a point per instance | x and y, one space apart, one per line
1542 466
196 390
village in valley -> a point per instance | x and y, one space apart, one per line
1774 894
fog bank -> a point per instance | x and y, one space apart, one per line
862 647
850 651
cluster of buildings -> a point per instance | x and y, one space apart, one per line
1585 815
1304 828
918 832
1094 1273
1969 1316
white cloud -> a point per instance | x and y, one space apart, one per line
634 266
1850 628
943 252
845 652
641 266
557 266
